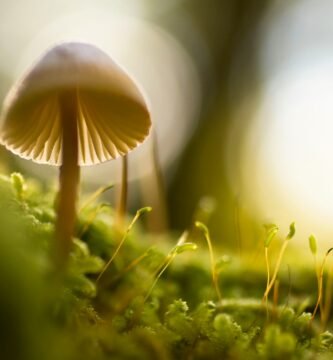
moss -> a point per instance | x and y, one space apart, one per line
113 318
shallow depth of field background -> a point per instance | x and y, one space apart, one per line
241 97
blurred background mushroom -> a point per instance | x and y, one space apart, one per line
240 96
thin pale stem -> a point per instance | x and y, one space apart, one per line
136 217
274 309
320 289
90 220
268 280
158 173
328 299
212 264
317 269
159 274
320 286
153 190
130 266
168 260
69 177
276 295
122 202
95 195
277 267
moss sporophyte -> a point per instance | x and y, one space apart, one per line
75 107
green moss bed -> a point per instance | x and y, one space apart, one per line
155 300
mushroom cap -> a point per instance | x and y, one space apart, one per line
112 114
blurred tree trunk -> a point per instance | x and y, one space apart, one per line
230 29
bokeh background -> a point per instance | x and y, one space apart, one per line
241 94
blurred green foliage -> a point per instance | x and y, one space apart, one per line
230 34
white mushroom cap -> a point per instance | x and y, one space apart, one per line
113 117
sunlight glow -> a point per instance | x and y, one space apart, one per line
287 171
293 132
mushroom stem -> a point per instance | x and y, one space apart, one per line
122 204
68 177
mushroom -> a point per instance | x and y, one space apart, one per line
74 107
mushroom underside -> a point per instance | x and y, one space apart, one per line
108 126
